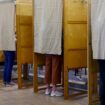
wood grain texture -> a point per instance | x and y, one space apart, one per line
24 35
1 56
75 38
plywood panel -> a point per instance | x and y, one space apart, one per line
76 10
76 37
24 31
26 55
27 20
24 1
92 66
24 9
75 32
1 56
76 58
26 35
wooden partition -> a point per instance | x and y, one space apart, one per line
93 97
39 59
1 56
75 38
24 35
75 41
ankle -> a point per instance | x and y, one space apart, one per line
48 86
54 88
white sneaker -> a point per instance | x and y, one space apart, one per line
47 91
56 93
10 84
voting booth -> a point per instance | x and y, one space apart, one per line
47 32
24 36
75 41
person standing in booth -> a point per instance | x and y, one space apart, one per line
98 41
48 40
7 37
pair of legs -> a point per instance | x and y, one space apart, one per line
53 71
9 60
102 81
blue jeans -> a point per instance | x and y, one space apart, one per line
9 60
102 81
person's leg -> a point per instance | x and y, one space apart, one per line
56 74
5 67
11 56
102 81
48 73
56 69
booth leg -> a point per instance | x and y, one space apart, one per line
25 71
95 83
35 80
90 88
19 76
66 89
92 93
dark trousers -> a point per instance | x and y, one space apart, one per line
102 81
9 60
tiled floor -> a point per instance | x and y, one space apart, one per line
13 96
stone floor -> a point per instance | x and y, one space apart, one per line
13 96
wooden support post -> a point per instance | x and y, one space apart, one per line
25 71
35 73
66 88
20 76
90 88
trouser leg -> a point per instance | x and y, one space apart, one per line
10 55
5 67
102 81
56 69
48 72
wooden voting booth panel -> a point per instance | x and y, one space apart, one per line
24 35
75 41
1 56
93 97
39 59
75 38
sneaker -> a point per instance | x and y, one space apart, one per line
47 91
56 93
10 84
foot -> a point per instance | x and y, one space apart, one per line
10 84
47 91
56 93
